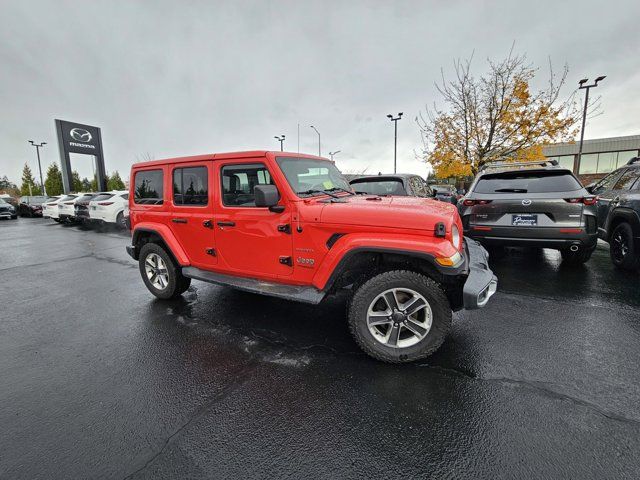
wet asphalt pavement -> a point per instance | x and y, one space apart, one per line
100 380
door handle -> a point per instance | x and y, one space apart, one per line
226 224
179 220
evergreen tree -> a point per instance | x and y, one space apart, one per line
27 179
53 182
86 185
76 182
115 182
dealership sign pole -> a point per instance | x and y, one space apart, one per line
83 139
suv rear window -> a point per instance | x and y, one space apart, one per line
379 187
102 196
528 182
148 187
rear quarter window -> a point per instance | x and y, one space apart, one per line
528 182
148 188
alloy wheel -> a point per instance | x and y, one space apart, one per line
399 317
156 270
619 246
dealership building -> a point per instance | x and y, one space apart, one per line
599 156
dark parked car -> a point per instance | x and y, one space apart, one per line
7 210
619 213
81 207
538 204
31 206
401 184
446 193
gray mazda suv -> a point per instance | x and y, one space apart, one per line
535 204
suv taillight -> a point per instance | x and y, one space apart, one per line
471 203
105 203
583 200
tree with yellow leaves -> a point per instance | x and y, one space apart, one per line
495 117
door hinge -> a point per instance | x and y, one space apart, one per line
285 228
211 251
207 224
286 261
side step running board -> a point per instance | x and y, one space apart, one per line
289 292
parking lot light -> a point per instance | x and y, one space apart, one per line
38 145
582 85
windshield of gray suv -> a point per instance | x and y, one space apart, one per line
310 176
528 182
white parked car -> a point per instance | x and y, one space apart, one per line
67 207
109 207
50 207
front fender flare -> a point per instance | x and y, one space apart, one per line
629 215
167 236
427 248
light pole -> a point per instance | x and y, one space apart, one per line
395 139
331 154
319 150
44 192
281 140
584 113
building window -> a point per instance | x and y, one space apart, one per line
624 157
190 186
607 162
148 187
588 163
566 161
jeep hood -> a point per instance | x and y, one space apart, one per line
393 212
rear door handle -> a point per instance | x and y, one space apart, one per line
226 224
179 220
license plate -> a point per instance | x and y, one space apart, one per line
524 220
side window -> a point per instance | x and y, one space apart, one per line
190 186
148 187
125 196
238 182
626 180
418 187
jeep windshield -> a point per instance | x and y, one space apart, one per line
310 176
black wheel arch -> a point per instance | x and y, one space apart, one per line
626 215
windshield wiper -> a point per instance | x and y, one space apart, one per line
311 191
512 190
340 189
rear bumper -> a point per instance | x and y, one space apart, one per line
481 283
544 237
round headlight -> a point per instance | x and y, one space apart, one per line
455 240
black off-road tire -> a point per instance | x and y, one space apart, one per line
576 258
631 260
421 284
177 283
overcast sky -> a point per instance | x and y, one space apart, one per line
182 78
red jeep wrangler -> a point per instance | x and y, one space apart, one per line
289 225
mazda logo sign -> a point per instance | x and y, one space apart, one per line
526 202
81 135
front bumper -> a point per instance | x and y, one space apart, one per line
481 283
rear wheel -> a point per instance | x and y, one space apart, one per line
578 257
160 274
120 221
399 316
623 250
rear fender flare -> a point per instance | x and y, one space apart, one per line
628 215
167 236
425 248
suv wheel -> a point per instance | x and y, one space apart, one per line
399 316
578 257
120 221
623 249
160 274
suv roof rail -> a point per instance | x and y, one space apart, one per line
542 163
633 160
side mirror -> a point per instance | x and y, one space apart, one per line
591 187
267 196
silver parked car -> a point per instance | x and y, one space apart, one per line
537 204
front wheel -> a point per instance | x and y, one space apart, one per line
399 316
160 274
622 248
